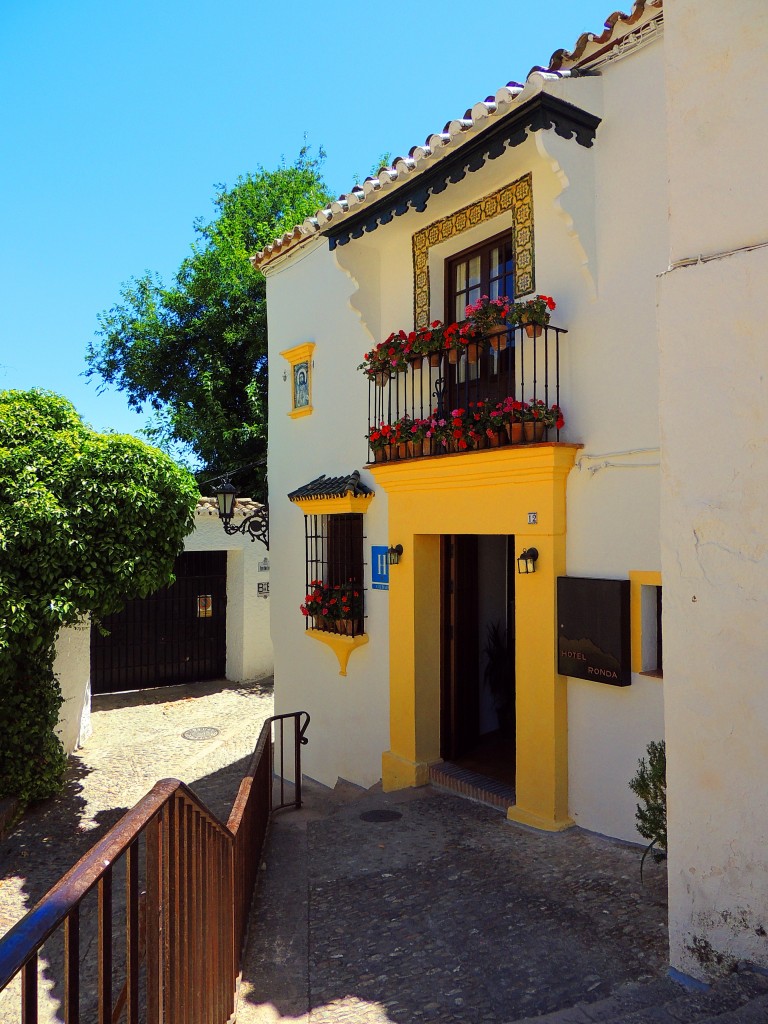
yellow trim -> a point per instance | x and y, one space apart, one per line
300 354
516 813
334 506
486 492
515 198
638 579
342 646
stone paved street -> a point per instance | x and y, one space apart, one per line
137 740
442 912
445 913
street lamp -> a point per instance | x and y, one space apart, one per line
256 525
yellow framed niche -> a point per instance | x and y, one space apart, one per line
301 361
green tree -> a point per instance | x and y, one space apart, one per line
87 521
196 353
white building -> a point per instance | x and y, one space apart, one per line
212 623
599 182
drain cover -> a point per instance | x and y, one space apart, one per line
201 732
380 815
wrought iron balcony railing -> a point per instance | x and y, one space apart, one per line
503 390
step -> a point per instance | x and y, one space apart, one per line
626 999
741 998
471 785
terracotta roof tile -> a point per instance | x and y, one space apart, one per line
561 64
332 487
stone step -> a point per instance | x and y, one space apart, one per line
741 998
628 998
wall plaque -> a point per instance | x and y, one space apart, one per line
593 637
379 567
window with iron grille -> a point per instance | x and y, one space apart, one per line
335 600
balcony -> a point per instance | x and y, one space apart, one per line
501 389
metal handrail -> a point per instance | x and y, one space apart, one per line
200 875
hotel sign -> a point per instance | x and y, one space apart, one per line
593 637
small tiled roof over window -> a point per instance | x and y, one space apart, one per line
332 487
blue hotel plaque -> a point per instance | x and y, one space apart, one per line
379 567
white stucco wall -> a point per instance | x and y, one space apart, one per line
72 667
601 239
349 715
249 644
714 419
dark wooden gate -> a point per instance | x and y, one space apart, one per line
176 635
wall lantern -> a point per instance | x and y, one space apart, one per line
256 525
394 554
526 561
226 494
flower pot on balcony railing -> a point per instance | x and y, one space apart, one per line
538 416
533 314
515 432
497 337
533 430
490 318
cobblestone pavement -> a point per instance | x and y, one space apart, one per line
137 740
447 912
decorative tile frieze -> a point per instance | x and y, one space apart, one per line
516 197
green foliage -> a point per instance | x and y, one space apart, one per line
650 785
87 521
195 353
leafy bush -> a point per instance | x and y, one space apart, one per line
87 521
650 785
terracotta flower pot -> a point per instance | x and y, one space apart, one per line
434 358
381 378
345 627
497 438
473 352
497 337
401 450
533 330
426 446
453 356
515 432
414 449
380 455
416 362
533 430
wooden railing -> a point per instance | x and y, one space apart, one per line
150 924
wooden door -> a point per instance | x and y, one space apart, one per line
460 685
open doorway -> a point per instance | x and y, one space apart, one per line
477 712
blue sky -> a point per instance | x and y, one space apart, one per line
120 116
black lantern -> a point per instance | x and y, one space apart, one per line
526 562
226 494
256 525
394 554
